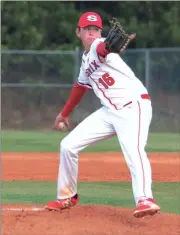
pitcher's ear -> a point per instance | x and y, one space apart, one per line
78 31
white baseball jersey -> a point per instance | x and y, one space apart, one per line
113 82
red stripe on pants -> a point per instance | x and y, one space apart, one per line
138 148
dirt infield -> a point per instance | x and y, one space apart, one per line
92 166
87 220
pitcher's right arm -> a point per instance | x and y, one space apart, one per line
77 92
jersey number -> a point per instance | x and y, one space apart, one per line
106 80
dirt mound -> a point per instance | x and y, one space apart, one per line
88 220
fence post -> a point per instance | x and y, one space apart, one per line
147 70
77 64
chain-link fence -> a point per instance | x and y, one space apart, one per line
36 84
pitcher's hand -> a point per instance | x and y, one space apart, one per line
60 119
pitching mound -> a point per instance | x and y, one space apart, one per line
88 220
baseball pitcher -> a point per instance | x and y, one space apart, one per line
126 111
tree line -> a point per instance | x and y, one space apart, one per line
38 25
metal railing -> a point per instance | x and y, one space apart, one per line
31 80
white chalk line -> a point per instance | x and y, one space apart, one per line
35 209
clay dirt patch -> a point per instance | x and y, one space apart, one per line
87 220
92 166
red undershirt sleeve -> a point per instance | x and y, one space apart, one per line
76 95
101 50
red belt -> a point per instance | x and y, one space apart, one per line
143 96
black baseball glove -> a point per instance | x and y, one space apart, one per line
117 39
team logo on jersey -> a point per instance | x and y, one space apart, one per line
93 66
92 18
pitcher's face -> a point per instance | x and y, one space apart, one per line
88 35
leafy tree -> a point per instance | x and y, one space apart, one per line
51 25
38 25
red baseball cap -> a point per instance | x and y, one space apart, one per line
90 18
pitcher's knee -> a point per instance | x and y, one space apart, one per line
68 146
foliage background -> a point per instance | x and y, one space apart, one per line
51 24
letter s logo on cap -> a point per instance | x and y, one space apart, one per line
92 18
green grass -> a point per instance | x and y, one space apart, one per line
31 141
110 193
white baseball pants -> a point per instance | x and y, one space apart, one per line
131 125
